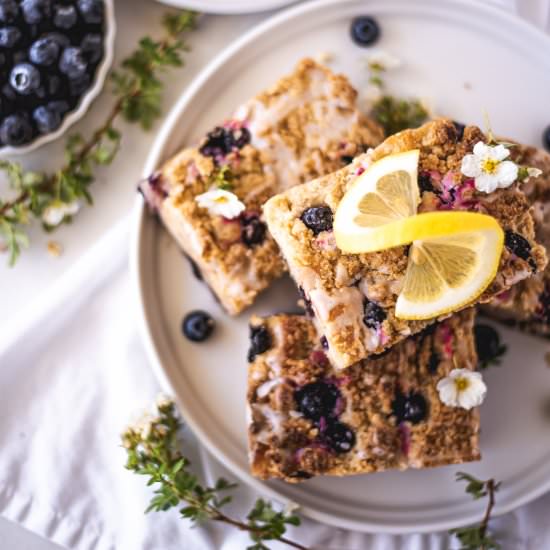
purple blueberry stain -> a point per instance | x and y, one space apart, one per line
411 407
317 218
253 230
373 314
317 400
260 341
306 302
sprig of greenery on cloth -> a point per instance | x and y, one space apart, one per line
53 198
153 450
477 537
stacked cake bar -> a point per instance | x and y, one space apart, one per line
307 418
210 197
352 296
527 304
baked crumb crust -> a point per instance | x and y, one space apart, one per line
305 126
527 304
284 444
338 285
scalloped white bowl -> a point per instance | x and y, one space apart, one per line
87 99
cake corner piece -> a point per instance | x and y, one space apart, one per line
308 419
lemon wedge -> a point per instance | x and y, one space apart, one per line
453 257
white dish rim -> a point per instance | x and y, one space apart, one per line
236 7
165 381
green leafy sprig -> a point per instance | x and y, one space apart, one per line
477 537
137 91
153 451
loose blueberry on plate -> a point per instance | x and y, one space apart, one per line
317 218
317 399
260 342
365 31
411 408
15 130
546 138
197 326
339 437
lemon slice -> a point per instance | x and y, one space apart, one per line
453 257
448 272
386 192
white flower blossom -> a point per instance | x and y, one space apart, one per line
381 60
488 167
462 388
56 212
163 401
291 507
221 203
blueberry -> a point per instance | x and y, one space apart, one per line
92 47
77 86
240 137
9 93
373 314
324 342
62 40
47 119
546 138
36 11
218 142
25 78
317 218
316 400
91 10
9 36
19 57
339 437
197 326
60 106
346 159
260 341
253 231
517 244
65 17
44 51
425 182
433 362
459 127
411 408
364 30
72 62
488 346
9 11
15 130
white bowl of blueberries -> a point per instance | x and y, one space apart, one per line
54 57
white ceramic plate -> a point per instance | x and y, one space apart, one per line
228 6
466 57
87 99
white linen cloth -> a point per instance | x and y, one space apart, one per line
66 398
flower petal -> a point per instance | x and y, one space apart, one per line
506 173
448 393
471 166
498 152
481 149
486 183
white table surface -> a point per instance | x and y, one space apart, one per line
115 190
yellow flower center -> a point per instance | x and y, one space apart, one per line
490 165
461 384
221 200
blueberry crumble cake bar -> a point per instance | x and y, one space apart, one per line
352 297
527 304
210 197
307 418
